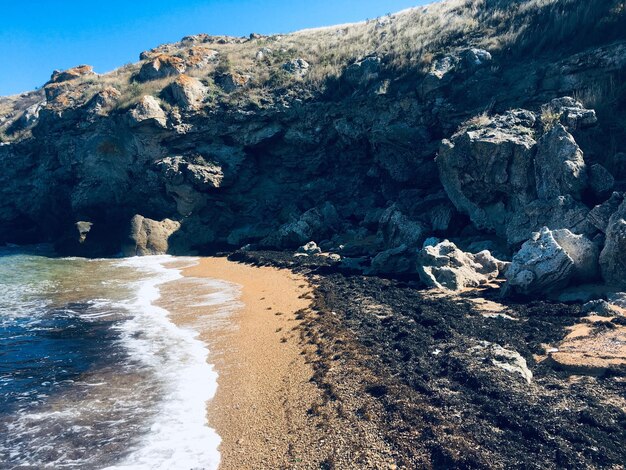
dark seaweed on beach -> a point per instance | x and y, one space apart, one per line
396 364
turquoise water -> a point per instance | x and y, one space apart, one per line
93 374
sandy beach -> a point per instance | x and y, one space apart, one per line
264 387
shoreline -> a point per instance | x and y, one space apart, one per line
264 380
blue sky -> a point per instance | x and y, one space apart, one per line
38 36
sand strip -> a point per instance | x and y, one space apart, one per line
264 388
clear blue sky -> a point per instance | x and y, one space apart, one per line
38 36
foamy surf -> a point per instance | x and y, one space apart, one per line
179 436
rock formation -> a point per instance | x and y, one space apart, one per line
265 141
444 266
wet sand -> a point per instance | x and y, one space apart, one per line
264 387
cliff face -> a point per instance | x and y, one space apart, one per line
327 135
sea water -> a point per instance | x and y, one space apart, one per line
93 372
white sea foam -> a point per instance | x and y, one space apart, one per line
179 436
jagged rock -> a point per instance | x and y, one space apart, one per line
314 223
541 266
83 229
297 67
600 180
559 212
196 171
474 57
494 171
583 252
600 307
444 69
230 82
571 113
487 169
263 53
103 101
31 115
148 111
149 237
613 256
200 56
600 215
188 92
440 74
363 71
444 266
161 66
559 165
549 261
398 260
59 76
395 229
310 248
505 359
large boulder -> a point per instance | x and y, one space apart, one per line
148 111
613 256
161 66
297 67
541 266
188 92
444 266
559 165
549 261
149 237
494 171
487 168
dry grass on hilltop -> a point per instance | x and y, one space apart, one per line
407 42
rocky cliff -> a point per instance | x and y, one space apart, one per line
480 121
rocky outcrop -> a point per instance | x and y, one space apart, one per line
363 71
161 66
507 181
59 76
298 67
83 229
230 82
256 159
148 111
487 169
149 237
570 113
559 165
444 266
613 256
103 101
316 223
188 92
